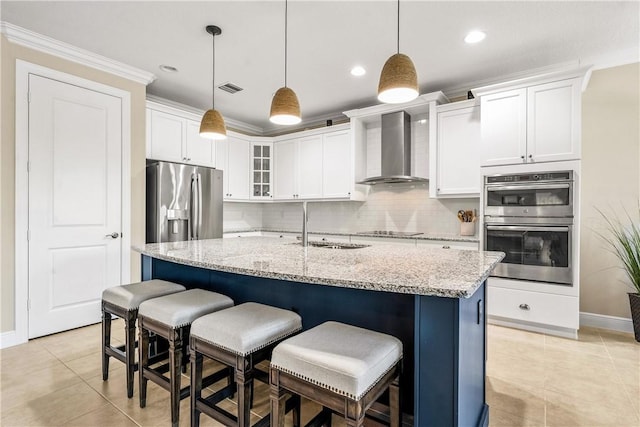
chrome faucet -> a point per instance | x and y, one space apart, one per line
305 239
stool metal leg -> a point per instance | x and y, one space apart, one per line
130 344
143 362
106 342
196 386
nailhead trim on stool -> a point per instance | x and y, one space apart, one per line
342 367
170 317
123 301
239 337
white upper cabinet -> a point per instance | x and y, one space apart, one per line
285 169
261 170
198 151
175 138
538 123
233 158
316 166
310 169
336 165
457 151
553 121
504 128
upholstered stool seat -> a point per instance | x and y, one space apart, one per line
123 301
170 317
342 367
239 337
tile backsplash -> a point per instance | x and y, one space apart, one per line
396 207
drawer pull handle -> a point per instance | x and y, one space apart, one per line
524 307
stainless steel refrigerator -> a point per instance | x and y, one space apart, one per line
184 202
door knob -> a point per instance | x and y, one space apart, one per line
113 235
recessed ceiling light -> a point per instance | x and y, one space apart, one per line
475 37
358 71
168 68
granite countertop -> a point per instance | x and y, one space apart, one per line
412 270
424 236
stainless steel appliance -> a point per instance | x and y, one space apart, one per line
184 202
396 151
548 194
529 217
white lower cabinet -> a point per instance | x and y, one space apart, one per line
557 312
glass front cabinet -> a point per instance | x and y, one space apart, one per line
261 176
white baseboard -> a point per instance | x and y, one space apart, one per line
8 339
602 321
534 327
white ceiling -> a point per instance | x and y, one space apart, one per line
326 38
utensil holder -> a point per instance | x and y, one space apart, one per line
467 228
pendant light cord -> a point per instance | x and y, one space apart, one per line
213 72
398 38
286 10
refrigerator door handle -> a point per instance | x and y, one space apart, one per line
193 208
199 211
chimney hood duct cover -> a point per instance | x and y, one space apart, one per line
396 151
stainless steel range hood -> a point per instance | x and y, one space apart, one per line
396 151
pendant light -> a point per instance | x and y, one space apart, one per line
212 124
285 108
398 79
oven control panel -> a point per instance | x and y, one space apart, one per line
530 177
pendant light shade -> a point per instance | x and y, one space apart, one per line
212 125
398 79
285 108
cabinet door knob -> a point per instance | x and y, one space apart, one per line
522 157
524 307
531 157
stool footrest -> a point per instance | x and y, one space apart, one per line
320 419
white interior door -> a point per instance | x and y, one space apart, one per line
75 145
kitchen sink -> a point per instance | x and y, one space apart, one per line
334 245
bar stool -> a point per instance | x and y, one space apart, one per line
342 367
170 317
124 301
239 337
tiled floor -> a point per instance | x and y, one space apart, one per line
533 380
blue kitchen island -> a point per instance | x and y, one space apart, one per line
432 299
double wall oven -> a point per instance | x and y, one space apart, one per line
530 217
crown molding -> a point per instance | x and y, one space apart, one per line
196 114
39 42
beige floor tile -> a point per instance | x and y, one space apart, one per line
67 347
36 384
564 410
55 408
516 399
90 366
514 335
529 372
115 388
499 418
106 416
25 357
622 347
589 341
